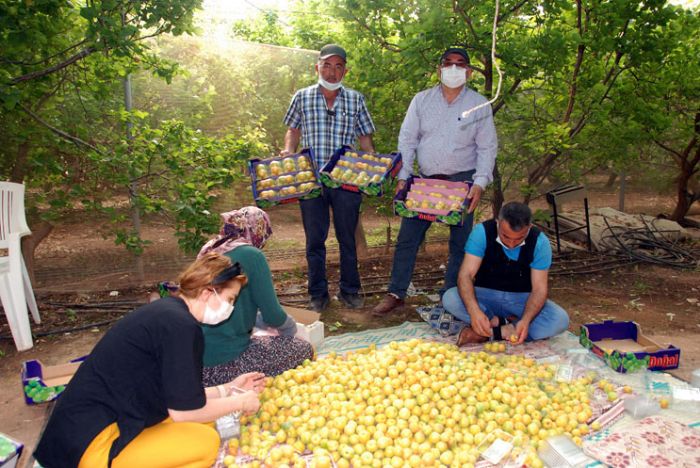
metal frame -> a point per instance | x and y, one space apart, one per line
557 197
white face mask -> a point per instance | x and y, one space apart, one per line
498 239
214 316
453 77
329 86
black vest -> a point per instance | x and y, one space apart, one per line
499 272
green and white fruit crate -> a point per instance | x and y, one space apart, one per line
284 179
359 171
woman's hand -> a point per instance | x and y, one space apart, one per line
248 402
251 381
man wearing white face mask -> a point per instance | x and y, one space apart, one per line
324 117
446 146
504 276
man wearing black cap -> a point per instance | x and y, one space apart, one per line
324 117
450 143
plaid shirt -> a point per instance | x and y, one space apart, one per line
325 130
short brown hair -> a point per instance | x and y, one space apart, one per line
202 272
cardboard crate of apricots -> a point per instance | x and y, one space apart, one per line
359 171
418 403
284 179
433 200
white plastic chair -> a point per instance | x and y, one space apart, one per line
15 287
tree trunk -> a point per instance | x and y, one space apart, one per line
498 197
688 162
612 177
623 190
40 231
360 240
488 76
19 168
684 197
387 245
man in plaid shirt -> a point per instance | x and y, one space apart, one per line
324 117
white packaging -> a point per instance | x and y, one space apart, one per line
561 452
641 406
695 378
309 325
312 333
228 426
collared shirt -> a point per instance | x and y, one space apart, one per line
542 259
446 143
325 130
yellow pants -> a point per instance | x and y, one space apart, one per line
168 444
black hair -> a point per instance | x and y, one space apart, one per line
518 215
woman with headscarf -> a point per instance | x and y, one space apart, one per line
230 349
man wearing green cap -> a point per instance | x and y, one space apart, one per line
324 117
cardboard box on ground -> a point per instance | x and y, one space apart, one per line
624 348
309 326
10 451
44 383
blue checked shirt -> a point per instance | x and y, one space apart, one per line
326 133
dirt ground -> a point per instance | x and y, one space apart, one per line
84 282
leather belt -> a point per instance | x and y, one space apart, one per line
439 176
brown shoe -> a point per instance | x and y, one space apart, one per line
469 336
389 303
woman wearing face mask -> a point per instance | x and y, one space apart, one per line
138 399
229 347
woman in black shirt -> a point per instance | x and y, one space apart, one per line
138 399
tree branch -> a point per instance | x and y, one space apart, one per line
46 59
48 94
77 141
510 11
501 102
467 19
618 54
46 71
678 156
383 42
577 66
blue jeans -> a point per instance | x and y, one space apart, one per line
412 233
315 215
551 320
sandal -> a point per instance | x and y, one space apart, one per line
468 336
503 330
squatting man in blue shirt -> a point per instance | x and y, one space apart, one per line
503 278
448 145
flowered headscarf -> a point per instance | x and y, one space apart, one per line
248 226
